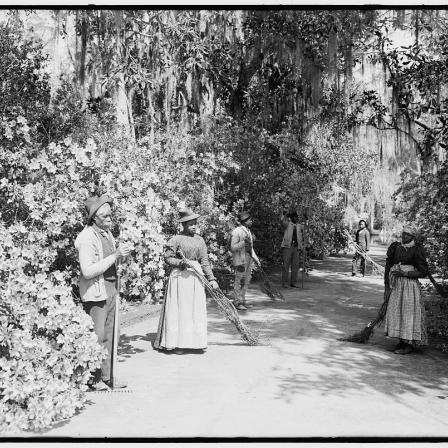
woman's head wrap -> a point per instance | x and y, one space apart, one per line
410 230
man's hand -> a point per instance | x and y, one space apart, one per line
123 250
214 284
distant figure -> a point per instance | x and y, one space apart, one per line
243 256
293 246
405 315
363 241
183 319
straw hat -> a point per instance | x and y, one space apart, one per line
93 203
244 216
187 215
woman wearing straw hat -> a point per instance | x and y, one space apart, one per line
405 315
183 319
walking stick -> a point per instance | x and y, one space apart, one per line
303 265
115 335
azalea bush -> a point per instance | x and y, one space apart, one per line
56 151
47 344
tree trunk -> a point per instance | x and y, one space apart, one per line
84 39
245 74
332 56
122 107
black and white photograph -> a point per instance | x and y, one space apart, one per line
224 222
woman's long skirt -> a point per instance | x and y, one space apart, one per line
405 316
183 319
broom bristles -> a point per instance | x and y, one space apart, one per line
362 337
267 286
366 333
226 307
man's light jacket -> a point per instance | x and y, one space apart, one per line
92 263
238 246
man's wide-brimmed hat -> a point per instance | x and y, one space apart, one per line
244 216
410 230
187 215
94 203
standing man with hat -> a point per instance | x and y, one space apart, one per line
293 245
98 283
243 256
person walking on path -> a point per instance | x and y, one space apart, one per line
405 315
243 256
183 319
98 283
293 247
362 239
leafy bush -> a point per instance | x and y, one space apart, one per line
55 152
423 200
47 343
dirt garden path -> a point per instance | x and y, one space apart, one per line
306 383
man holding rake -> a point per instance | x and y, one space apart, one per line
98 284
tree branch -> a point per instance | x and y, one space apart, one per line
396 128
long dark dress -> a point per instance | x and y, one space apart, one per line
183 319
405 316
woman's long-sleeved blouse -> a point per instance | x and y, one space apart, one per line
414 256
193 248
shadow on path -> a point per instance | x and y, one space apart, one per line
127 348
307 327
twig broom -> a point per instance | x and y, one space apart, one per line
380 270
364 335
272 291
226 307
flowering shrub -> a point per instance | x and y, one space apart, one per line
47 343
54 154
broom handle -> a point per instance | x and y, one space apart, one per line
203 278
431 278
439 289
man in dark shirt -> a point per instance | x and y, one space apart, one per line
292 246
